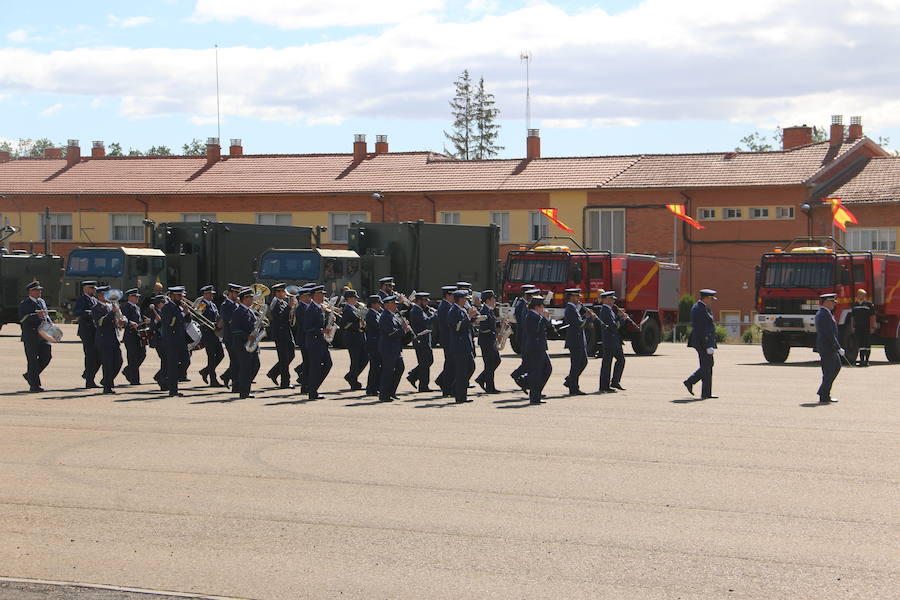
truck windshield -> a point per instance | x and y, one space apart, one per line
538 270
807 274
101 263
291 266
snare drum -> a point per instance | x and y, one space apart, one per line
50 332
194 333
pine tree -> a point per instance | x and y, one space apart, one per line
486 127
462 108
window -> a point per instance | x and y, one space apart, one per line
501 220
538 270
273 218
705 214
877 240
806 273
733 213
126 227
759 213
450 218
190 217
96 262
538 226
290 265
60 227
339 223
606 229
784 212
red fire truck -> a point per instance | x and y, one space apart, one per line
790 280
647 289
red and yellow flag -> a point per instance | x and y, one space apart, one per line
551 213
679 211
839 214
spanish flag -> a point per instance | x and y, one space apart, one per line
551 213
839 214
679 211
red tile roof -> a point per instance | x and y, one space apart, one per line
873 180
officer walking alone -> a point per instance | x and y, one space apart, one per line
828 346
703 340
33 312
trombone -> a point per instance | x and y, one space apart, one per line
196 309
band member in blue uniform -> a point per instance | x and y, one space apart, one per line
520 310
226 312
422 319
317 353
444 380
105 315
610 377
174 316
135 351
828 346
462 348
576 342
243 324
281 311
703 340
154 314
32 312
487 341
373 382
86 331
302 370
863 324
386 287
354 337
537 319
212 343
391 330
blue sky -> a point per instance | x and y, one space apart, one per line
608 77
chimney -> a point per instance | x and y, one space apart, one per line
213 151
98 150
359 147
4 156
52 153
533 144
855 128
381 144
798 135
235 149
73 153
837 130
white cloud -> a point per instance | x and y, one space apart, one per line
564 123
51 111
203 119
18 36
310 14
128 22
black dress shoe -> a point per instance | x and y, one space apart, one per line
577 393
183 380
369 394
481 384
689 386
108 391
385 399
287 386
90 385
412 380
710 397
394 397
827 400
617 386
426 390
494 391
204 376
354 386
244 396
175 394
608 391
536 402
226 381
461 401
316 397
273 378
36 388
215 383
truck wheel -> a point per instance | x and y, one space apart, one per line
590 332
892 349
848 343
647 340
774 348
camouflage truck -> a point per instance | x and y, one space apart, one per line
17 269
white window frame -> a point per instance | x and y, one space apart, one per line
450 218
595 234
339 224
501 220
706 214
738 214
538 225
779 210
762 210
871 239
134 226
55 226
197 217
274 218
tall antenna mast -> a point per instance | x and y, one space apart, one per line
218 113
526 57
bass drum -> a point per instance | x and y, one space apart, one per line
194 335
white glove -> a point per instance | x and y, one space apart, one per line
841 351
710 351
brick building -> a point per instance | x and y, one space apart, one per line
749 202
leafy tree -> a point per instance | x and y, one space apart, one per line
194 148
486 126
159 151
115 149
134 152
755 142
462 107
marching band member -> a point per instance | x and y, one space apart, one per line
33 312
462 350
87 331
575 341
211 342
243 323
106 339
135 351
422 324
280 311
302 370
226 312
386 287
317 353
610 378
487 341
520 310
538 364
390 347
372 334
156 342
445 377
354 338
174 314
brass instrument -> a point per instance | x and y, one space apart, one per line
113 296
197 312
292 291
48 330
503 333
330 308
259 308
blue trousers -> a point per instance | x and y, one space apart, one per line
704 373
831 366
424 359
610 375
539 371
577 362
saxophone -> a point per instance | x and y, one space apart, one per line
330 308
258 308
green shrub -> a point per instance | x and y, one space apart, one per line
721 334
751 335
684 308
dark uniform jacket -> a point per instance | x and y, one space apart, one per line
280 319
827 341
29 320
212 315
105 325
535 333
575 330
443 327
609 329
300 312
226 312
314 323
172 327
390 333
133 314
460 326
82 310
488 327
349 322
420 322
520 310
243 321
703 327
372 333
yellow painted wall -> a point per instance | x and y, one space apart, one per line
570 205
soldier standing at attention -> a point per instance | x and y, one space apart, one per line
575 341
86 331
174 316
107 339
863 325
421 319
487 341
317 353
520 311
612 345
354 338
135 350
462 349
33 312
703 340
302 370
153 313
390 347
280 311
211 342
226 312
828 346
372 334
445 377
243 323
537 320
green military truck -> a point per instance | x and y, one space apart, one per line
332 268
17 269
120 268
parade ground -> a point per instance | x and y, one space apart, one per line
648 493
